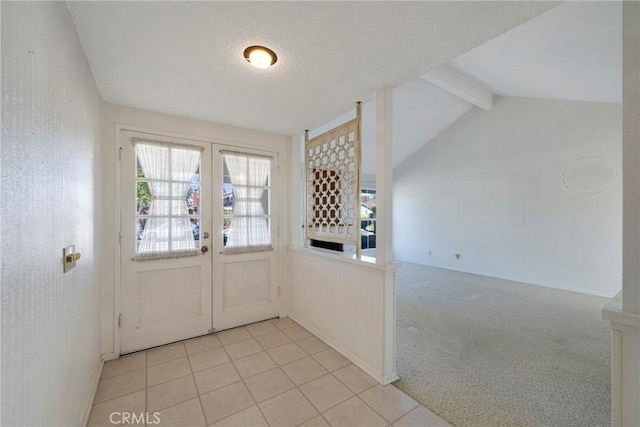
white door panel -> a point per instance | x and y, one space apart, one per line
162 300
243 283
246 289
182 284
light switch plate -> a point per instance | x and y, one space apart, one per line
68 265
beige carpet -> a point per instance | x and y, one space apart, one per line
480 351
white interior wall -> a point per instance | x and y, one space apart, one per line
528 191
350 304
115 117
50 199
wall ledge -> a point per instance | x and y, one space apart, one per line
368 263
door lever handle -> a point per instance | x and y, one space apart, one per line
204 249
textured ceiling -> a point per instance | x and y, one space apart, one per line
185 58
573 51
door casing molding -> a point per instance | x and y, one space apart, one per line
113 304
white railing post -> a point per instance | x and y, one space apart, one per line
384 174
296 196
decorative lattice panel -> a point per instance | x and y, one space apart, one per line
332 184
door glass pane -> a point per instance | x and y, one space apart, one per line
143 197
226 229
258 195
155 232
227 200
181 234
264 201
246 206
168 199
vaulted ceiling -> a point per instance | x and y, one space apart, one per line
571 52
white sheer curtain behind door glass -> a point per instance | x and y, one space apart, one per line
168 170
250 228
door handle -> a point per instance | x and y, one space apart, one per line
204 249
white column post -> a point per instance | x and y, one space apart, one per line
384 174
293 194
384 230
296 198
624 312
631 158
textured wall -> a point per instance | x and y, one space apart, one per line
529 191
50 198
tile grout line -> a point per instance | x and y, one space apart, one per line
345 384
173 379
410 410
243 380
118 397
193 377
251 394
369 406
331 407
123 395
347 387
170 360
295 387
254 401
204 414
165 382
414 409
381 416
212 334
177 403
238 342
146 383
253 398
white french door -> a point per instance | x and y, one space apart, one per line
187 219
247 286
165 276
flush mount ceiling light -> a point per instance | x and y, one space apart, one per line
260 56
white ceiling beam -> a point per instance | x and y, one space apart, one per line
455 83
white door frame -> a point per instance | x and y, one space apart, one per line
115 288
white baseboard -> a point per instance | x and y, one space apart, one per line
346 353
388 379
513 279
94 389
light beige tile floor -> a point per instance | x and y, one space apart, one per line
273 373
